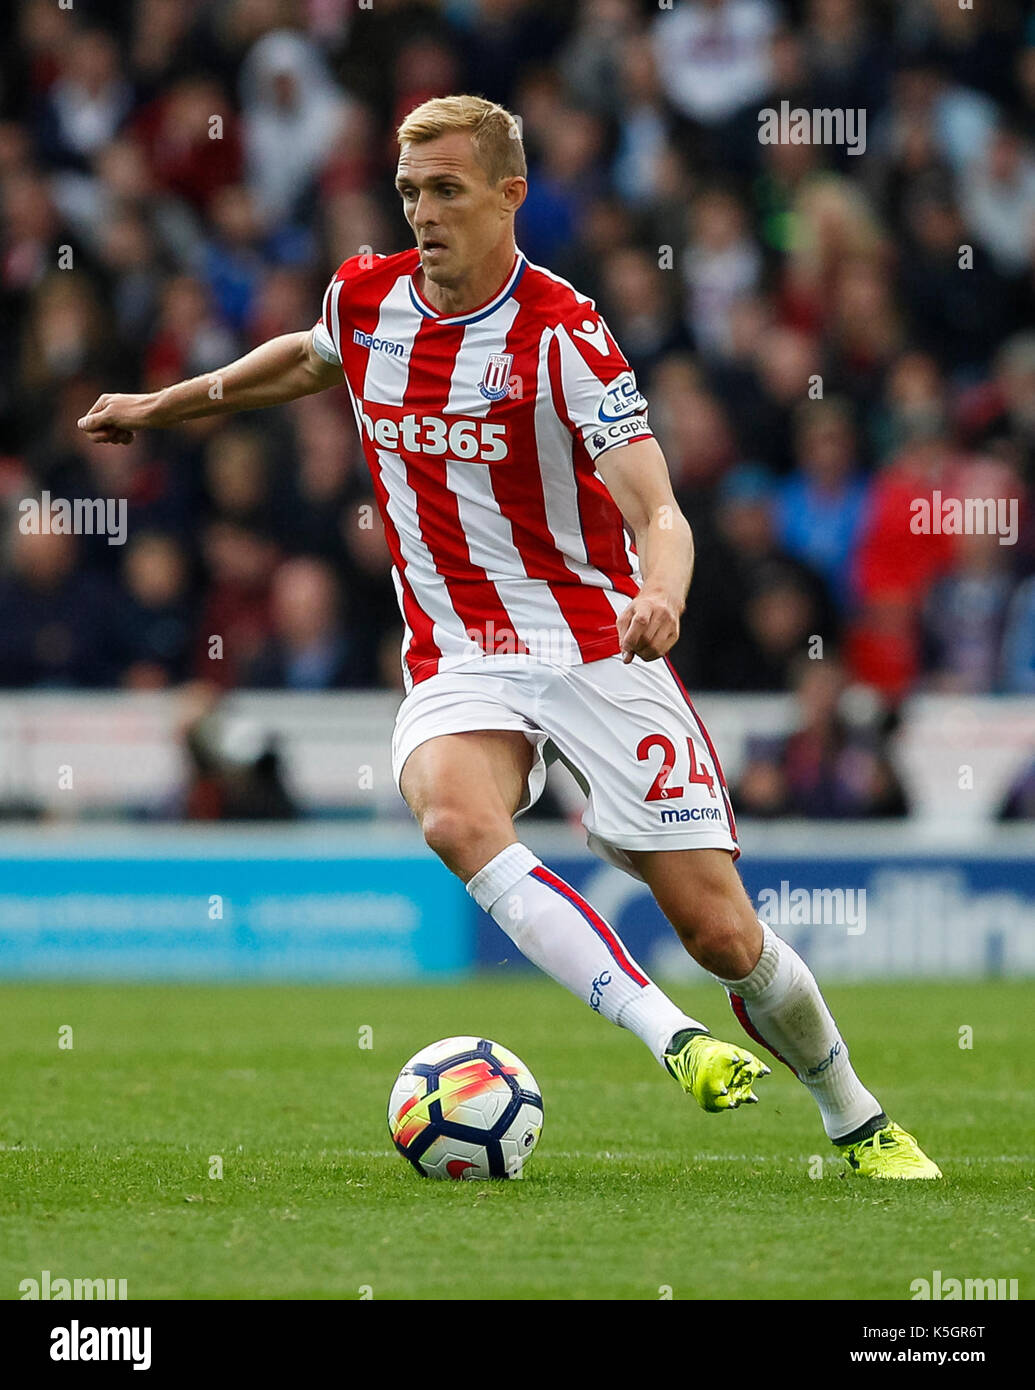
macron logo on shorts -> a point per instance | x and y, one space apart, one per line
690 813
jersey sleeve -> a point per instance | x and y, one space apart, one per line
595 387
328 328
324 343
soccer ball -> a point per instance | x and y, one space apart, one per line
465 1108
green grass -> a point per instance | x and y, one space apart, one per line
104 1150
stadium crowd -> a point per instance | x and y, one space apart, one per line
823 336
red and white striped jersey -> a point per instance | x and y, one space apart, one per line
480 431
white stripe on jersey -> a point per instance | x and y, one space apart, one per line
479 342
560 493
529 604
426 583
385 382
630 554
421 579
332 321
572 362
407 636
386 375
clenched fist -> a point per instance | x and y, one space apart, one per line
648 627
114 419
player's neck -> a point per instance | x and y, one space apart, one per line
475 289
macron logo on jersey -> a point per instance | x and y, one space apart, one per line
368 340
595 334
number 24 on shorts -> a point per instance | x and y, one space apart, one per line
659 788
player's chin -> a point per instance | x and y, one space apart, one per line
437 267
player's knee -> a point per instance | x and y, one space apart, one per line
729 957
458 835
720 938
445 829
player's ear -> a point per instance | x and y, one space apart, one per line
514 191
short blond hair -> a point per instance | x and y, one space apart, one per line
494 132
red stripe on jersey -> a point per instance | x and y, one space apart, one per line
603 527
421 649
521 498
475 599
610 940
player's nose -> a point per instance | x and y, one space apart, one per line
425 214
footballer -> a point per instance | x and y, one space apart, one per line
542 565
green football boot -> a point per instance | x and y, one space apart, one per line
890 1153
718 1075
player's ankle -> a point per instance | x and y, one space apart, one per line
684 1035
864 1131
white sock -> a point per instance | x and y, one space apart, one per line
779 1004
568 939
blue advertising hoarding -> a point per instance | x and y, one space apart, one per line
345 902
249 907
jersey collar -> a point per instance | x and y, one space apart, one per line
481 311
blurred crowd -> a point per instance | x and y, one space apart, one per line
824 337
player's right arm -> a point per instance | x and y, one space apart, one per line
278 371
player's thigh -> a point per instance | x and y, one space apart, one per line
478 776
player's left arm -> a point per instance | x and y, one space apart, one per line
637 477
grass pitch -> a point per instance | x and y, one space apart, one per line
106 1150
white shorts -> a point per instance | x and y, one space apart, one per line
628 733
